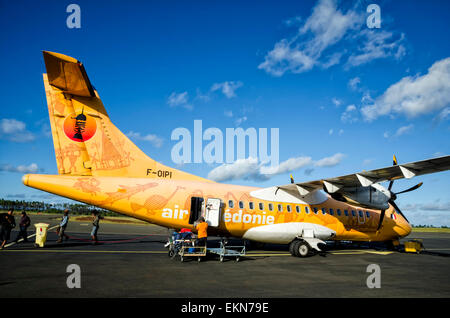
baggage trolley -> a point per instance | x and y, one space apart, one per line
228 251
188 250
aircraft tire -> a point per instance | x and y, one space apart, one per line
292 247
303 249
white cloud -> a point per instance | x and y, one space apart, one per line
435 206
293 21
228 113
328 27
443 115
400 131
240 120
203 97
15 131
153 139
180 99
247 169
366 99
404 130
350 114
287 166
251 169
353 83
284 58
32 168
336 102
330 132
227 88
414 96
378 44
330 161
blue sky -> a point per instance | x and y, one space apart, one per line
344 97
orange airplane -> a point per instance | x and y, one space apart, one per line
98 165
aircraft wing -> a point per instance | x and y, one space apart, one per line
366 178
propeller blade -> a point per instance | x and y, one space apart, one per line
412 188
390 185
397 209
394 163
381 219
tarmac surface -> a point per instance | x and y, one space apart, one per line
131 261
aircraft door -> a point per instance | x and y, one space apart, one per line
212 211
197 207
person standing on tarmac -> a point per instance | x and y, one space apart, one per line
62 227
95 225
202 235
7 222
23 226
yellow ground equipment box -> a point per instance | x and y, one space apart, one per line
41 233
413 246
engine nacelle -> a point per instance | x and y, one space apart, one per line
374 196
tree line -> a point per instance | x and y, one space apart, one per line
44 207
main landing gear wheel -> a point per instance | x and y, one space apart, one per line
299 248
303 249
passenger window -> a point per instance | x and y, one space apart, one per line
261 206
324 211
297 209
315 210
270 207
288 207
250 205
367 214
231 204
360 213
346 212
306 210
280 208
353 213
241 205
331 212
338 212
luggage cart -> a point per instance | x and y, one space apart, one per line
228 251
187 250
175 247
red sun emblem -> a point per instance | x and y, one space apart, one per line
79 127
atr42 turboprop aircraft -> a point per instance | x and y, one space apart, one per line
98 165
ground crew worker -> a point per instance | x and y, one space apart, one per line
62 227
202 235
23 226
95 225
7 222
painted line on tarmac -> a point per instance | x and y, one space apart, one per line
436 249
86 251
259 254
355 252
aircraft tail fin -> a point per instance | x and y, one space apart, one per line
86 141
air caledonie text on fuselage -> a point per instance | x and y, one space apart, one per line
236 217
160 173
